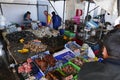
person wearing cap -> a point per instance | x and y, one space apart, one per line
56 20
108 69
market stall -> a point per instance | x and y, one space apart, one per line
41 53
64 64
21 41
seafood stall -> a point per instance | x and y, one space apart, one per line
26 43
45 54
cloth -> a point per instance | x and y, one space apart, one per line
106 70
49 20
110 18
91 53
56 21
27 22
117 21
25 15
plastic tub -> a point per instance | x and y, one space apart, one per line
64 55
61 31
66 32
69 34
35 71
73 65
39 75
92 24
74 44
79 61
74 74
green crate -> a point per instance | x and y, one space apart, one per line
66 32
61 72
69 34
74 66
83 60
75 77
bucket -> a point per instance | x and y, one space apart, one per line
76 19
61 31
78 12
43 24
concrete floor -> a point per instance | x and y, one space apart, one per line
5 74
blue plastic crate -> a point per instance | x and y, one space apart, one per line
37 72
64 55
67 46
92 24
39 75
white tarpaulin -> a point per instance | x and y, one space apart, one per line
70 8
19 1
109 5
6 0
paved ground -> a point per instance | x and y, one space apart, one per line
5 74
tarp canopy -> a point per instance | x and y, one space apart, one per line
6 0
19 1
109 5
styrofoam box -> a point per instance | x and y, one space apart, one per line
64 55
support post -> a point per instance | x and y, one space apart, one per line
1 9
118 7
64 11
37 10
88 10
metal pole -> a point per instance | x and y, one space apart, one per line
88 9
22 4
55 10
37 11
52 6
118 7
17 3
47 15
86 21
1 9
93 9
47 8
64 11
